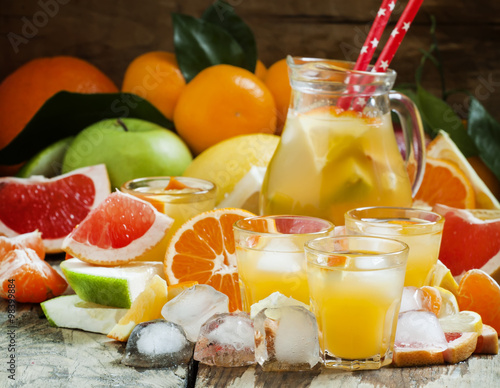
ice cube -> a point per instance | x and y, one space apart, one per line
158 344
286 338
412 299
282 244
192 308
275 300
281 262
226 340
419 329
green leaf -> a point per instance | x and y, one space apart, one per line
439 115
222 14
200 44
65 114
485 131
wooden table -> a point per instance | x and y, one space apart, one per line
53 357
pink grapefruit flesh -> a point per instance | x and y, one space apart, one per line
52 206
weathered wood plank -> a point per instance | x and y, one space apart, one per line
48 357
477 371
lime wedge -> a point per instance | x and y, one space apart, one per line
47 162
71 312
110 286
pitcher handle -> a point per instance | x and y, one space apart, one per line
413 132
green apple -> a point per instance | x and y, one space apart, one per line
130 148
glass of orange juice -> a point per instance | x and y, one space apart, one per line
355 286
270 255
178 197
420 229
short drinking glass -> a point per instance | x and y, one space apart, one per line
355 285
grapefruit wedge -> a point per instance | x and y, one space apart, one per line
52 206
121 229
470 241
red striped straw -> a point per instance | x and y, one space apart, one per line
389 50
370 45
397 35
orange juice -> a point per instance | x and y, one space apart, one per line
421 230
357 310
262 273
328 163
355 288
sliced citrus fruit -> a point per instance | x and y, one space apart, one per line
146 307
445 183
31 240
464 321
469 242
32 279
487 343
460 346
71 312
203 249
52 206
449 304
479 292
431 299
116 286
121 229
442 277
443 147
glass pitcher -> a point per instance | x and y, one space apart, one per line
338 150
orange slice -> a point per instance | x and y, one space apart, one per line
446 184
203 249
121 229
479 292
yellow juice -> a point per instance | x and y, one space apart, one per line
328 163
356 309
261 273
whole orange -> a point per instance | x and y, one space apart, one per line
25 90
279 84
223 101
156 77
260 70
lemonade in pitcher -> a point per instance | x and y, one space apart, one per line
331 160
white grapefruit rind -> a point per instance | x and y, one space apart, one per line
116 256
97 173
461 348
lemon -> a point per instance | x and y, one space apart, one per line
449 304
464 321
442 277
442 147
110 286
146 307
227 162
71 312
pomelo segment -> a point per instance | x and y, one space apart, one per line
110 286
52 206
69 311
121 229
469 242
487 343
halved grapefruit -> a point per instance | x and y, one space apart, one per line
470 242
121 229
52 206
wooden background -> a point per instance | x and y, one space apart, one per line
111 33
